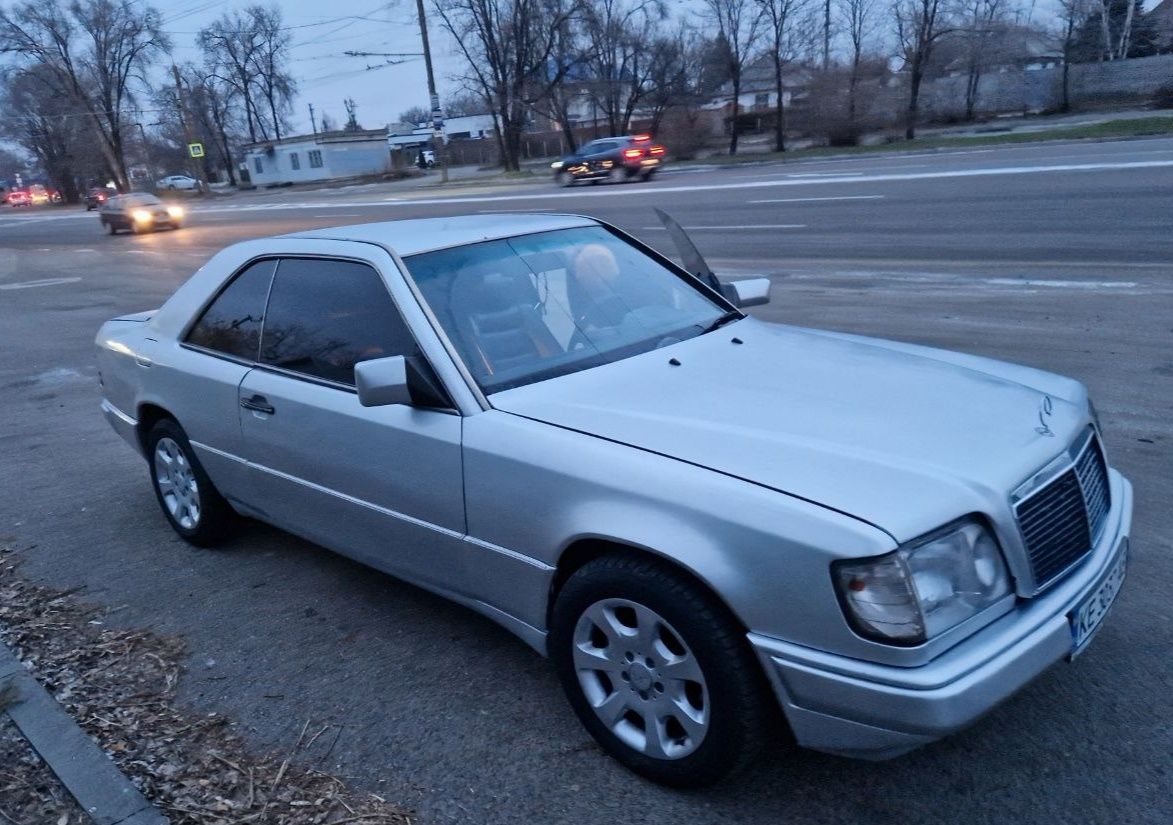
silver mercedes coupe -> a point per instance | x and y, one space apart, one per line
717 528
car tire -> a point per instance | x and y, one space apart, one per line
563 179
684 698
111 228
647 176
189 500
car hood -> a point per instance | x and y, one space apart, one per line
901 436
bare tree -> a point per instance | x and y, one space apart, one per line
617 58
510 49
270 64
90 53
738 24
858 19
1072 14
984 22
919 25
416 115
46 124
247 53
229 47
778 18
673 62
206 105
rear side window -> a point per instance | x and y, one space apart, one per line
326 316
232 323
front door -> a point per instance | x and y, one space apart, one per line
382 484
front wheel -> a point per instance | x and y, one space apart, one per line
194 508
658 671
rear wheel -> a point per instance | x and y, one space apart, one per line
658 672
648 175
194 508
110 228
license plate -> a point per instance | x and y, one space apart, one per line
1087 617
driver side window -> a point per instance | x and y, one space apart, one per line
325 316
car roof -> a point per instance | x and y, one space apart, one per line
410 237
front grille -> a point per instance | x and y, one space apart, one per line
1062 521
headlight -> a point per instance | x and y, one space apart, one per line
141 215
926 587
556 164
175 211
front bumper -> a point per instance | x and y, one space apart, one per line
855 708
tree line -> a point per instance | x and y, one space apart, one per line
80 86
629 58
85 83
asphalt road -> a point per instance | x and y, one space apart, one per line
1059 256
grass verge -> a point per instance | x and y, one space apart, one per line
1108 130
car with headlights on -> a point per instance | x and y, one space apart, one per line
18 197
139 212
702 518
614 159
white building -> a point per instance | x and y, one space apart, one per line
324 156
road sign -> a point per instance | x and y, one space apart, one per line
196 150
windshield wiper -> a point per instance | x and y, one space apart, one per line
722 320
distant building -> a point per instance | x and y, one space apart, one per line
324 156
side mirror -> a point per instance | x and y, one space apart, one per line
382 381
751 292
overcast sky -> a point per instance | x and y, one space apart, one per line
325 77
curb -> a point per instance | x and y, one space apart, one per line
99 787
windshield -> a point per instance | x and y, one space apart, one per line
139 200
528 308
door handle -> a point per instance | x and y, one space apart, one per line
258 403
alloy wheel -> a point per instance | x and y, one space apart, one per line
641 679
177 483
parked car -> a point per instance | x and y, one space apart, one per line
173 182
18 197
694 513
96 196
615 159
139 212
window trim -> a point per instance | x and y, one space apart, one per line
197 316
313 379
317 378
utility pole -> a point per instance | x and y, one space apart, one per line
313 121
437 113
187 136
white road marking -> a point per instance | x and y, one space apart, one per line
40 282
628 191
1061 284
731 228
834 198
343 215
